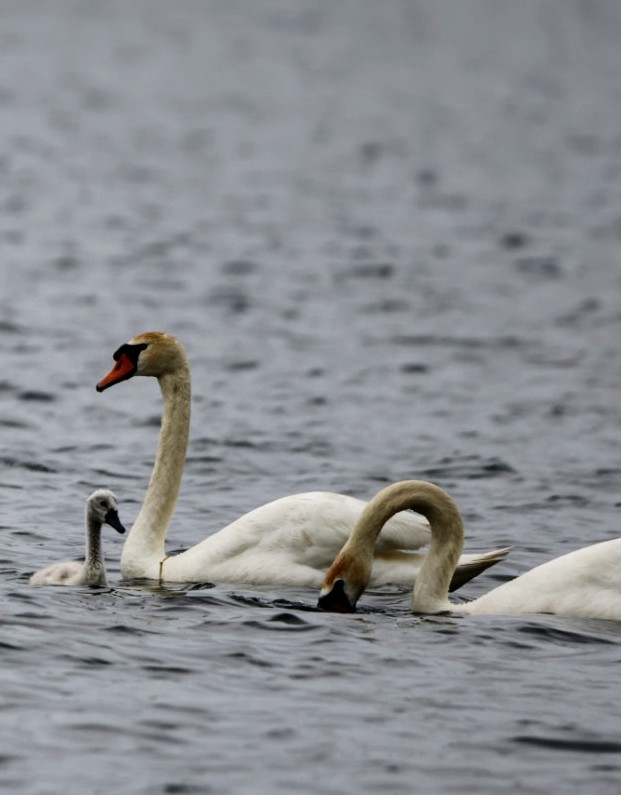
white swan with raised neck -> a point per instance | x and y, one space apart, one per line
101 508
290 541
584 583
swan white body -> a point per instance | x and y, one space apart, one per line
101 507
585 583
290 541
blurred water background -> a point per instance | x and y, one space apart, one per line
389 236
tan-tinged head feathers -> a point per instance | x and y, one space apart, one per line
153 353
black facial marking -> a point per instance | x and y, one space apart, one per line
131 351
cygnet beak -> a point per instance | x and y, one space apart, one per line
112 518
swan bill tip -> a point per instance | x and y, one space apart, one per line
334 599
105 383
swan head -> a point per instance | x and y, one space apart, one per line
102 506
338 597
345 581
153 353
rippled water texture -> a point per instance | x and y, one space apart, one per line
389 235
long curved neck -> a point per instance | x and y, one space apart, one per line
146 538
431 588
94 568
447 538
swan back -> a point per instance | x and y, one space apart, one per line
583 583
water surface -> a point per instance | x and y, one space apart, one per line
388 235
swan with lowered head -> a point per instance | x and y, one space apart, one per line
584 583
101 507
290 541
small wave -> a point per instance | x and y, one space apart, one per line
122 629
90 662
564 635
32 466
166 670
539 267
239 267
469 468
282 622
380 270
251 659
387 306
6 646
232 300
36 396
445 341
572 499
573 745
241 364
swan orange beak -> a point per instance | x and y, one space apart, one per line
123 369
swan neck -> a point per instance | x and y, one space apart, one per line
376 513
431 590
94 555
146 538
447 539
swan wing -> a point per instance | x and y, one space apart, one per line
584 583
315 525
305 530
293 541
67 573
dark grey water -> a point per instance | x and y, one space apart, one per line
389 235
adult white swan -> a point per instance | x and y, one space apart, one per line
290 541
101 507
584 583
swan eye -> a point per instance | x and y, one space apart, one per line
131 351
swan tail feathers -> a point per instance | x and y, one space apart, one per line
468 569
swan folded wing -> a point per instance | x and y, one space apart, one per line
319 520
229 560
582 583
290 541
314 525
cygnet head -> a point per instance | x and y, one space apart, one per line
153 353
103 507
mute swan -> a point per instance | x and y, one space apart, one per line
289 542
101 507
585 583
